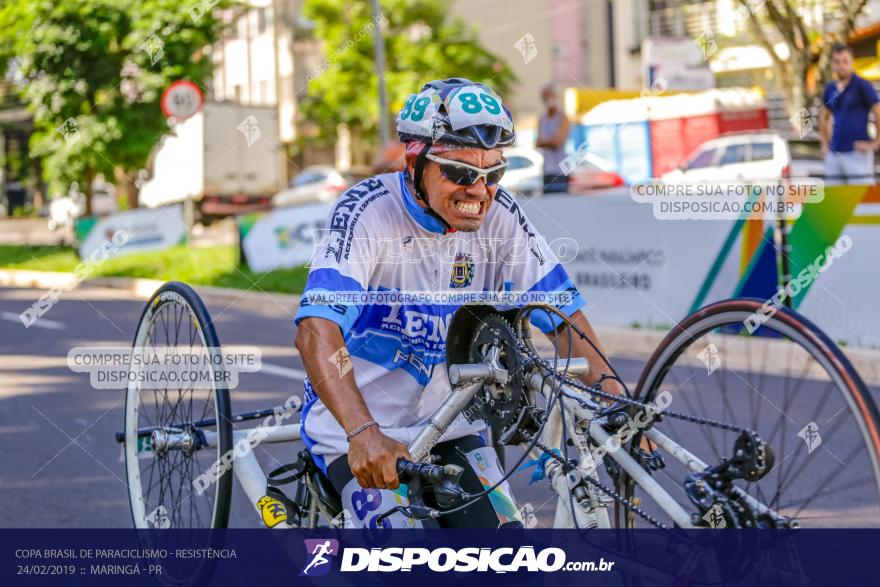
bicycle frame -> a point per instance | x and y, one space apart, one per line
588 513
594 514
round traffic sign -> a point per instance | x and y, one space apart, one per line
182 99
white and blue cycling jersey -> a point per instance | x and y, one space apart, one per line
378 239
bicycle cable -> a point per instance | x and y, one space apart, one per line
550 371
556 393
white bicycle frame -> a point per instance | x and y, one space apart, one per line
589 510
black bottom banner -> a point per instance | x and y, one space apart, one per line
400 557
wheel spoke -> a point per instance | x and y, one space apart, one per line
785 375
169 481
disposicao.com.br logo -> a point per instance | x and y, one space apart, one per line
440 560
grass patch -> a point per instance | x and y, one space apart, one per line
215 266
42 258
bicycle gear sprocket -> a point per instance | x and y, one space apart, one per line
494 340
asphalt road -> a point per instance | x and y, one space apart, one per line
62 468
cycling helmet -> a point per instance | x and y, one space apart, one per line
456 111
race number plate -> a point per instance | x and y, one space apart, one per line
472 105
417 116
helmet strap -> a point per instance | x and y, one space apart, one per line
418 171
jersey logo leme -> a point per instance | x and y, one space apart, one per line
462 271
418 326
414 360
344 216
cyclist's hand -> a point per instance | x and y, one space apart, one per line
373 456
863 146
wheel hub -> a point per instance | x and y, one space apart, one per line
167 440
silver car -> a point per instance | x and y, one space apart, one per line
316 183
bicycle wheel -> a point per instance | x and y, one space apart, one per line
164 452
789 383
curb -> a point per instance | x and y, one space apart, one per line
618 341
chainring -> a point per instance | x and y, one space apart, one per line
498 405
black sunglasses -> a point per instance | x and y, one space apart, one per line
463 174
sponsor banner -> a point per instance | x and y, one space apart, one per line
467 557
632 269
148 229
635 270
284 237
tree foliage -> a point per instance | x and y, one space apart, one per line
93 73
421 43
771 21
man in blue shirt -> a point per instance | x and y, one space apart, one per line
843 123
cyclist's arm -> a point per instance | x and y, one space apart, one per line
372 455
561 133
320 343
581 348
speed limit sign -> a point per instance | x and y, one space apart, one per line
182 99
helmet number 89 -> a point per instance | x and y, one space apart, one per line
415 108
470 103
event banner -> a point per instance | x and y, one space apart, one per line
284 237
427 557
131 231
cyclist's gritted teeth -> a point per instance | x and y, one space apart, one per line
469 207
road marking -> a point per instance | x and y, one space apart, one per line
41 322
286 372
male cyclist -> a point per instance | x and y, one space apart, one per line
376 372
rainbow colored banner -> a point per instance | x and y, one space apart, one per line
819 226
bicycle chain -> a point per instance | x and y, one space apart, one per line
567 466
560 378
622 399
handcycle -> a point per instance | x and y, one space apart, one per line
765 429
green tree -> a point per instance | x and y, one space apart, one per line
93 74
421 43
809 41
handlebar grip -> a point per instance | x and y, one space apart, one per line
408 470
444 481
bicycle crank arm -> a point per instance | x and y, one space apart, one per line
420 449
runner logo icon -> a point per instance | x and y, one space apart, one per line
319 551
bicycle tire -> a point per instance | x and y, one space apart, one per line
784 322
189 304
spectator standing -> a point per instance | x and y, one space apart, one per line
553 129
843 122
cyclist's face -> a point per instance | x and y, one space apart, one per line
463 207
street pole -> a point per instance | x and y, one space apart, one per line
379 51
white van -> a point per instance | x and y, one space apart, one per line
747 156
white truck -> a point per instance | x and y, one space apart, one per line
226 158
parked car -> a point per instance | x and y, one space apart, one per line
807 159
593 173
525 171
750 156
316 183
525 175
63 210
